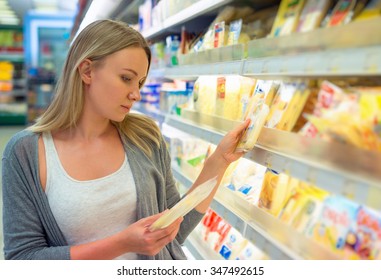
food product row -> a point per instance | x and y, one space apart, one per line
340 110
239 25
348 229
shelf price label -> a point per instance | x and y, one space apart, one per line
333 63
372 63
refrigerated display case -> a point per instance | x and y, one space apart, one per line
47 38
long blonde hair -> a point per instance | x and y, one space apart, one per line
95 42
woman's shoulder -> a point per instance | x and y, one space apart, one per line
24 139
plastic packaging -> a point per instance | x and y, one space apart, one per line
257 113
185 205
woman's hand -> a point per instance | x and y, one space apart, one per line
139 239
226 148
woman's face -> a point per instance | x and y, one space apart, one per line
115 83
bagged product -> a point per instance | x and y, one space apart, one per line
185 205
342 13
287 18
312 14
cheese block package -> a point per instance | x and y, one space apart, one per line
257 113
185 205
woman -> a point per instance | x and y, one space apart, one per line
89 178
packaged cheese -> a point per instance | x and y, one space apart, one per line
287 17
312 14
257 112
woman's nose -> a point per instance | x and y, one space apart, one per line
135 95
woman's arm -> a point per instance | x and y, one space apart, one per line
219 161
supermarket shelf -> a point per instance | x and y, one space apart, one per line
323 52
193 71
14 92
197 247
331 63
127 12
12 56
341 62
276 239
333 38
187 14
157 114
338 168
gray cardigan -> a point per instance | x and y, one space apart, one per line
30 230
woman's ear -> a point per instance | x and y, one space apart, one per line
84 69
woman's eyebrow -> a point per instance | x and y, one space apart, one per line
133 71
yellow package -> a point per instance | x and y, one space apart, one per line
275 192
205 101
287 17
247 86
220 97
294 108
232 88
372 9
257 112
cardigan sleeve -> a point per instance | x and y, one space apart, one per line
193 217
24 222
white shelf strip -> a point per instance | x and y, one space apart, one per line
342 62
276 239
187 14
338 168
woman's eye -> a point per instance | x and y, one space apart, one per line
126 79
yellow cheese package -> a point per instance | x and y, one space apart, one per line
373 9
287 17
185 205
257 112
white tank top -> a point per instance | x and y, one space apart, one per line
89 210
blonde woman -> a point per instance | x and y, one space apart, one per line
87 180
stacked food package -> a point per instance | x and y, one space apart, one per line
225 240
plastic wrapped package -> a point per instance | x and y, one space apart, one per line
312 14
205 94
275 192
342 13
257 112
287 17
185 205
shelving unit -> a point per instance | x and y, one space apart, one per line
276 239
186 15
311 54
13 103
352 172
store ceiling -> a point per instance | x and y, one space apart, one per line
12 11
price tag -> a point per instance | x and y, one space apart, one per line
334 64
372 63
265 67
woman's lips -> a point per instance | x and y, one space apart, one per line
126 108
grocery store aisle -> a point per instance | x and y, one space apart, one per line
5 134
